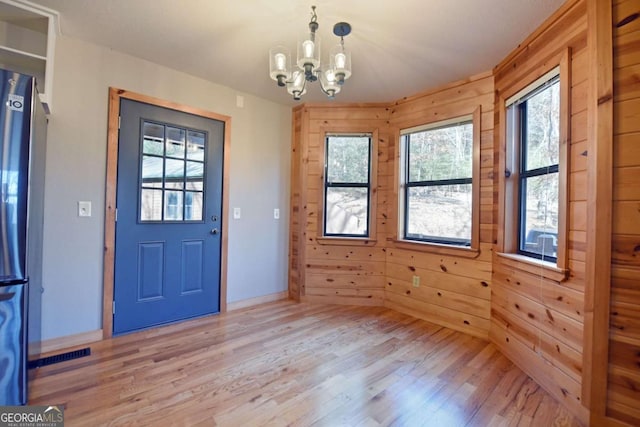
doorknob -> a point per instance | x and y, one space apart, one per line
214 231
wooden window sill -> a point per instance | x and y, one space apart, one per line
346 241
436 248
534 266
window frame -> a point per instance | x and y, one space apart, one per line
508 239
348 239
520 137
440 245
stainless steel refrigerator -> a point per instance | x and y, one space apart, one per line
22 162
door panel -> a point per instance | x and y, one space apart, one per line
169 198
192 266
150 269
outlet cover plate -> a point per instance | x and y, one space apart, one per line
416 281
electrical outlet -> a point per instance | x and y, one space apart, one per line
416 281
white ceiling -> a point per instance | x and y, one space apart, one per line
399 48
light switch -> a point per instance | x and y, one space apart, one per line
84 208
276 213
236 213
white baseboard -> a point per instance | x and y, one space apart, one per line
237 305
68 341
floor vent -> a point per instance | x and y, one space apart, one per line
63 357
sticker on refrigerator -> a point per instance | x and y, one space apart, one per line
15 102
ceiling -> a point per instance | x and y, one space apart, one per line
398 48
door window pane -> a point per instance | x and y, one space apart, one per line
151 205
173 205
195 184
174 173
195 176
165 170
152 139
152 171
192 206
175 142
195 145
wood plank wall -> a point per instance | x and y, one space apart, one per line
537 320
295 228
454 286
340 271
624 345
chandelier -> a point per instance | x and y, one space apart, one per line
308 67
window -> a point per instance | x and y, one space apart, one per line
347 185
172 173
533 132
437 173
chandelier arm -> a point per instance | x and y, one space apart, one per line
304 86
322 88
331 94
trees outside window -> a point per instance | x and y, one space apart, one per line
438 183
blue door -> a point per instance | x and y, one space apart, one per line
169 207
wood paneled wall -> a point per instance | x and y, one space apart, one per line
338 271
537 316
623 401
454 286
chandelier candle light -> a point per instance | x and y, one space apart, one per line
307 67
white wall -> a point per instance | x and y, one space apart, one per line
76 170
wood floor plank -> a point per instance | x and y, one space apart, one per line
289 364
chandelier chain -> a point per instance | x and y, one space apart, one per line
314 17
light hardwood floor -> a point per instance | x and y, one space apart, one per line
294 364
